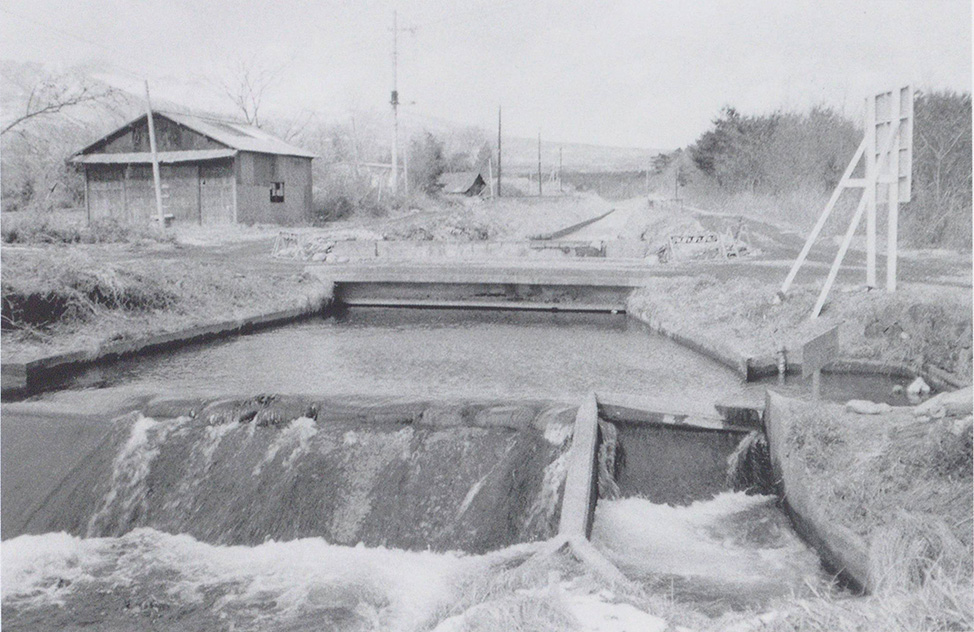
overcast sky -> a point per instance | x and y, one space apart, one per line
642 73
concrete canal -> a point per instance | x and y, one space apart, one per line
351 469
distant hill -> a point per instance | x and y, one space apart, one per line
521 156
196 95
33 154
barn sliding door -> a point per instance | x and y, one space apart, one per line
106 192
216 192
180 192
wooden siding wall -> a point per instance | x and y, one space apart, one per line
191 193
106 192
256 172
216 192
170 136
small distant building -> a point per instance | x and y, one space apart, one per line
211 171
462 183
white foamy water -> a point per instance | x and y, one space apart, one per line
120 583
734 549
299 432
272 582
131 466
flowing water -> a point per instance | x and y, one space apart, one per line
422 353
421 433
733 551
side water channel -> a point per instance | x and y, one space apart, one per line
234 482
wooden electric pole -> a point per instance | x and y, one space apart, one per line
560 162
498 151
394 181
540 193
155 158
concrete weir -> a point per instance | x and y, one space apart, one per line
581 493
506 285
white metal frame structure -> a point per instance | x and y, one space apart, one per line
889 127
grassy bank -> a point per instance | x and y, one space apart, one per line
57 299
917 326
72 227
904 485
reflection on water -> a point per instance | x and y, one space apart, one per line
427 353
841 387
456 354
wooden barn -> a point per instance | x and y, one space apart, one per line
468 183
212 172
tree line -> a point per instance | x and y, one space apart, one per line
781 153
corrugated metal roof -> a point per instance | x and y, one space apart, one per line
458 181
190 155
237 136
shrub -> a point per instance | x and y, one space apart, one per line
332 209
54 228
786 164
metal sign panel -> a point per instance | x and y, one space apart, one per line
886 112
706 245
819 351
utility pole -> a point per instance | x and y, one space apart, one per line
395 105
540 193
560 162
355 148
155 158
498 151
490 169
405 168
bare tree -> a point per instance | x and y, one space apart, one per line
51 96
246 84
293 127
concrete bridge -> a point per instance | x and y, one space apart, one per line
576 285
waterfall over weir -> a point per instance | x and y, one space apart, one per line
473 477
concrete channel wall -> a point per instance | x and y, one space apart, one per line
842 551
581 483
20 377
752 368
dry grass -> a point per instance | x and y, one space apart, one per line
796 209
70 228
906 487
868 470
916 325
57 299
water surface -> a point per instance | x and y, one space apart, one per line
428 353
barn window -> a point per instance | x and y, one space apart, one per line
277 191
